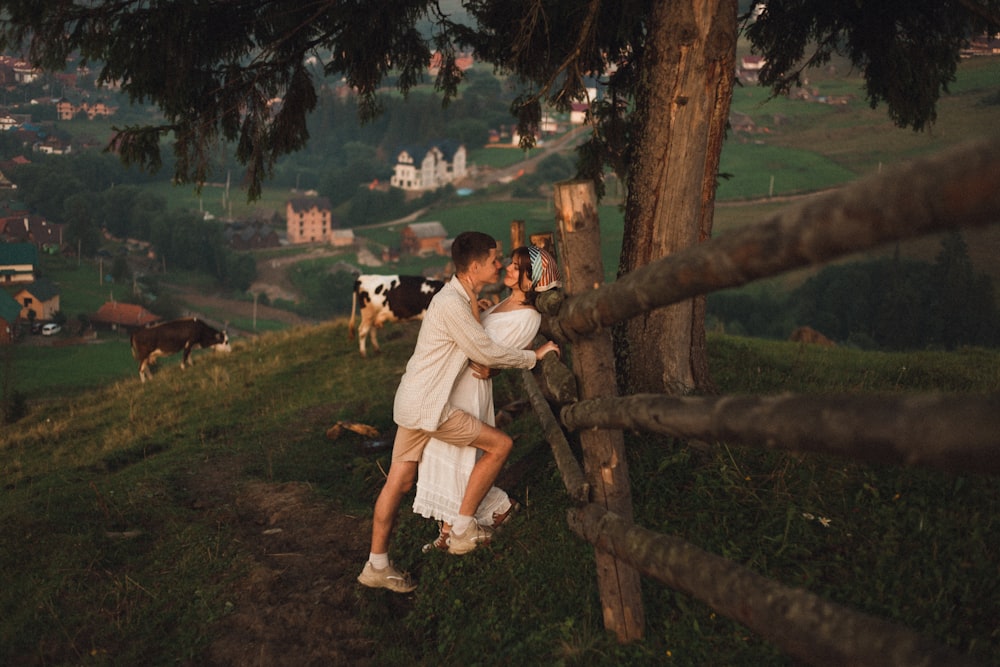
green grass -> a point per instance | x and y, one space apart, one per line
859 139
37 370
759 170
212 198
81 288
910 545
100 455
497 157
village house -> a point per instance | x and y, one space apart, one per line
25 73
251 236
115 315
34 229
342 238
17 263
750 67
52 145
66 110
982 45
6 183
463 61
424 238
548 126
578 113
10 311
309 219
39 300
424 169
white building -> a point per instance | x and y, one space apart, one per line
438 165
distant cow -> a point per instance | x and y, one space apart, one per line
389 299
810 336
168 338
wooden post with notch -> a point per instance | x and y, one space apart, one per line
605 463
516 233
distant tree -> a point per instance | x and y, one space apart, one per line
668 64
471 132
370 206
761 314
240 270
187 242
120 271
965 303
81 213
902 319
145 207
45 184
902 304
116 209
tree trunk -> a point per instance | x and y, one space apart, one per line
682 108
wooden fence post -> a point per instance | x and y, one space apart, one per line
516 234
593 364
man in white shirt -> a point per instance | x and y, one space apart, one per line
449 337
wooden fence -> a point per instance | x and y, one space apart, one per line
957 189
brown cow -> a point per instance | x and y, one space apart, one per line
168 338
811 336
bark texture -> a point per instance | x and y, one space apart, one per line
682 109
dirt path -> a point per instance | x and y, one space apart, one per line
272 280
219 312
299 603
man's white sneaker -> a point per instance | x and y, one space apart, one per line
390 577
474 536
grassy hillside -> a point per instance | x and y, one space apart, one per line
205 518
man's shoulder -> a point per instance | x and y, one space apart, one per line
447 294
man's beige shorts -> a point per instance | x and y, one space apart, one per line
460 429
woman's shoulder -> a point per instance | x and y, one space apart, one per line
509 305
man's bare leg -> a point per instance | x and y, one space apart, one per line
496 447
397 483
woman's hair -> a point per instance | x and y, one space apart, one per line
541 269
469 247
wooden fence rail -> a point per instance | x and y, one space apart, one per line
802 624
957 189
950 432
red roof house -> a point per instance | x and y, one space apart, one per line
115 314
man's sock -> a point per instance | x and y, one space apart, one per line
461 524
379 561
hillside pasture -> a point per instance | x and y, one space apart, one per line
206 518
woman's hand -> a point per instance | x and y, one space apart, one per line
545 348
481 372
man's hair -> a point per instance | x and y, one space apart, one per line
469 247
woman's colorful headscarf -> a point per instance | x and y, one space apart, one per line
544 270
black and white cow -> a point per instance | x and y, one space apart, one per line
389 299
166 338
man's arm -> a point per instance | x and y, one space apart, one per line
472 339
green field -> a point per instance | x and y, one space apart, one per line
43 371
145 522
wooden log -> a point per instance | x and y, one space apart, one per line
955 189
593 364
798 622
572 476
556 380
958 433
516 234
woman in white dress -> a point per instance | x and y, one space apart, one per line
444 469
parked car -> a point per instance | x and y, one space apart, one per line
51 329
